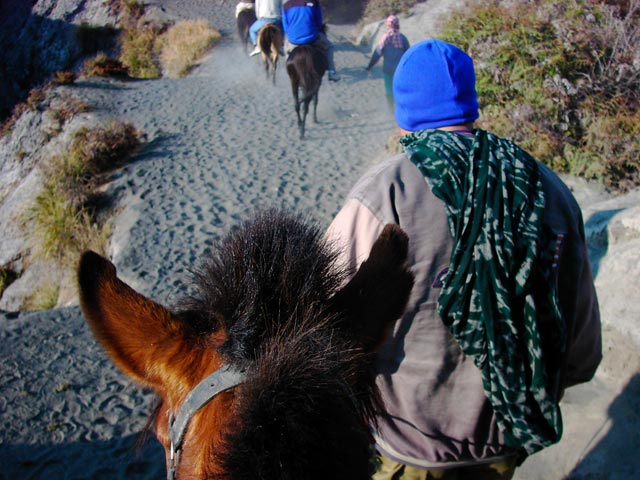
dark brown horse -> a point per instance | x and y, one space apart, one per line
306 66
264 372
270 43
244 20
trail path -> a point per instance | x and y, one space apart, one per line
224 142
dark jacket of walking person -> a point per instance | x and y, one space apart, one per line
390 48
503 315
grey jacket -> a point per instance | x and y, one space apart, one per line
437 413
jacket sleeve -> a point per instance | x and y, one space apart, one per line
353 232
317 14
584 347
285 19
374 59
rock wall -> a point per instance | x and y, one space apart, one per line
39 38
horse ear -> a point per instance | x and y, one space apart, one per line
137 333
377 295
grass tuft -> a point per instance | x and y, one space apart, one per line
64 222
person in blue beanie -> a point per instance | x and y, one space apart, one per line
503 316
303 25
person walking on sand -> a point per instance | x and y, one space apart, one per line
391 47
267 11
303 25
503 315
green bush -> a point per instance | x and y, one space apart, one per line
139 50
64 223
139 41
560 78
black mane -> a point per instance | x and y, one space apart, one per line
304 409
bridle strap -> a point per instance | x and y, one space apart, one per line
222 379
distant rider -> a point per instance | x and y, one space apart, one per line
303 25
267 11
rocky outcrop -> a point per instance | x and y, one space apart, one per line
34 139
39 38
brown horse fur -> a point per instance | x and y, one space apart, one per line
272 300
306 66
270 43
243 22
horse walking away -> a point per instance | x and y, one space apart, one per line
270 42
264 370
245 16
306 66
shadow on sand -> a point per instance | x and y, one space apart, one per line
119 458
615 455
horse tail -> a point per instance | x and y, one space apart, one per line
306 68
270 40
276 43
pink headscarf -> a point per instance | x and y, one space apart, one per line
393 23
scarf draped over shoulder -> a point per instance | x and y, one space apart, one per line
494 200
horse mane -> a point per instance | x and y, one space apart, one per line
309 394
300 415
268 272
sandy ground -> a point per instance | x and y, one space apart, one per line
222 143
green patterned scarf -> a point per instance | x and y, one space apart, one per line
494 200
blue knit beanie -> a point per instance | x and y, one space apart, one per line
434 86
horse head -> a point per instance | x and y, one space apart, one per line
270 357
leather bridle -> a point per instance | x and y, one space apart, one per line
222 379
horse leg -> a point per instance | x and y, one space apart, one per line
274 62
315 105
296 96
305 110
265 59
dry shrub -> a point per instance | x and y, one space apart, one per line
64 77
104 66
104 148
184 43
63 108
